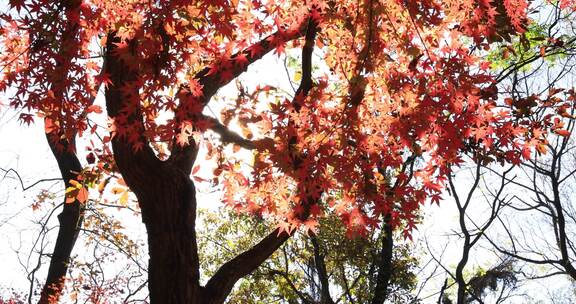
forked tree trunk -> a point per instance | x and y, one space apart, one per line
166 194
164 190
167 199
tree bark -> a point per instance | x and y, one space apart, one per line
385 264
325 297
166 194
70 221
169 214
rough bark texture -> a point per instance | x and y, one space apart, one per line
169 214
70 222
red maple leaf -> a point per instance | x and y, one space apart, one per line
16 4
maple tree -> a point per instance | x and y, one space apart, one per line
404 95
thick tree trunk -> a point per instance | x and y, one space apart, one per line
164 190
70 221
167 198
169 214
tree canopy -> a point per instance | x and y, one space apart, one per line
402 92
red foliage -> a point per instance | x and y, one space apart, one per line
405 98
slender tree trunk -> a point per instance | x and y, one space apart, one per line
319 263
64 150
461 293
70 221
385 264
560 222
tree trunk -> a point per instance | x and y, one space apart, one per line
70 221
167 199
165 193
169 214
385 263
320 264
64 151
166 196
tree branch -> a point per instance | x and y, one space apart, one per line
228 136
303 297
222 282
133 155
216 76
325 297
24 188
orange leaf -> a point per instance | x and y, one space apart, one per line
94 108
82 195
562 132
49 126
117 190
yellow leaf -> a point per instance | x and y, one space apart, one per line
75 184
123 200
297 76
71 189
103 184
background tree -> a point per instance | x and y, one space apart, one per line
103 241
312 268
529 68
473 285
537 228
